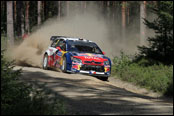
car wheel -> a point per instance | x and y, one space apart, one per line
45 62
64 65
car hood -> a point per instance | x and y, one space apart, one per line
90 57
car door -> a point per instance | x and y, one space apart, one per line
52 50
61 50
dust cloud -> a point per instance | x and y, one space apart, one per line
89 24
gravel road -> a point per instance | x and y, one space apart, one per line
87 95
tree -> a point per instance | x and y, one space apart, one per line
123 19
3 17
161 46
10 30
15 11
27 17
142 17
22 17
17 18
39 13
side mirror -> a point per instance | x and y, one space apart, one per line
103 53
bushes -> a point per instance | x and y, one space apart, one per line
121 63
16 96
3 42
158 78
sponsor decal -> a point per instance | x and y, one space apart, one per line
59 53
89 54
74 67
90 72
106 69
77 67
90 57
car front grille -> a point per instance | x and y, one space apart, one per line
92 67
92 62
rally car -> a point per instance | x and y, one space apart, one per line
76 55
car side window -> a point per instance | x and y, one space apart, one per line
62 45
53 44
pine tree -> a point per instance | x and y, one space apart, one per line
161 46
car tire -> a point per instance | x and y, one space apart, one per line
64 65
45 62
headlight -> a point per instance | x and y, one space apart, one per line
106 62
76 60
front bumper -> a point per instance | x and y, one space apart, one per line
91 69
94 73
103 73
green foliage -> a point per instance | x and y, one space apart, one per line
3 42
12 91
158 78
19 98
122 62
161 46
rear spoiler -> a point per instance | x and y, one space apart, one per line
54 38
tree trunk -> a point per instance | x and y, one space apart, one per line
10 30
3 14
39 13
27 17
123 20
18 19
22 17
14 11
142 25
43 7
128 10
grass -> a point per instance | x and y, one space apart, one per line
158 78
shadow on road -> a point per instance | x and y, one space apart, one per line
86 99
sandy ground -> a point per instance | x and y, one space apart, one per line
87 95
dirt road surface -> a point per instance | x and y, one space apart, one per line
88 95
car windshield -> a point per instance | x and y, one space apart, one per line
84 47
